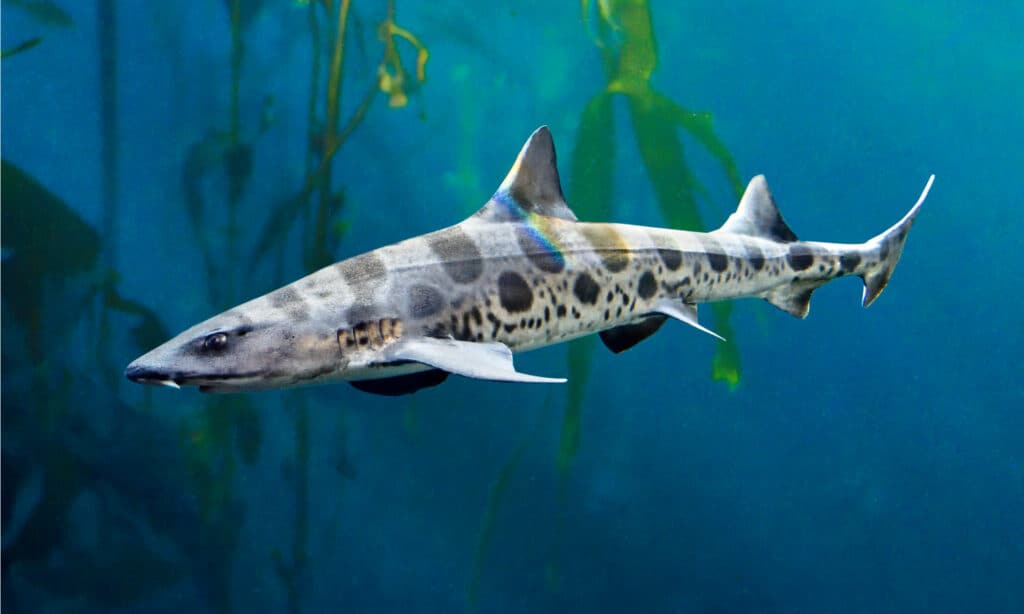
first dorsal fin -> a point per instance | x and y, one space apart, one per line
532 184
757 215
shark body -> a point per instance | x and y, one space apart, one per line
521 273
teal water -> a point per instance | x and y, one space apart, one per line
866 461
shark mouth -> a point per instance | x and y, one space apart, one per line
206 382
143 375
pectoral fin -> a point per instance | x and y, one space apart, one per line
490 361
684 312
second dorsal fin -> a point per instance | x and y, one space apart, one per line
757 215
532 184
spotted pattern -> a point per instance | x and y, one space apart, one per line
673 258
755 258
362 272
373 334
800 257
586 289
718 262
848 263
424 301
458 253
647 286
291 301
284 297
609 245
514 293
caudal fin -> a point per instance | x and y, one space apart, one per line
890 247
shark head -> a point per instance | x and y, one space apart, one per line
232 353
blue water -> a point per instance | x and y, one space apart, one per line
868 461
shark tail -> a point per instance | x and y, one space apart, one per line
889 247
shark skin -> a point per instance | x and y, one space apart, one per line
522 273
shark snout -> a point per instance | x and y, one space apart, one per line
145 374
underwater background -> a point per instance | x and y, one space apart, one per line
164 161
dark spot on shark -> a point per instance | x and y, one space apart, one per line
673 258
586 289
284 297
756 261
608 298
362 334
608 244
424 301
647 286
800 257
718 262
848 262
495 323
560 311
298 313
361 312
513 292
475 312
362 272
458 253
510 328
543 255
466 334
346 339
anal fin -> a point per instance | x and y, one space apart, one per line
621 338
795 298
489 361
684 312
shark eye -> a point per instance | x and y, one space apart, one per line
215 342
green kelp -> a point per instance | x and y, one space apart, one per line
317 208
591 187
45 12
483 544
23 46
623 32
317 204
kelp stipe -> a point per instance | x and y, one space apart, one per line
623 33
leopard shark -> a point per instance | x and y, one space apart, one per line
521 273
